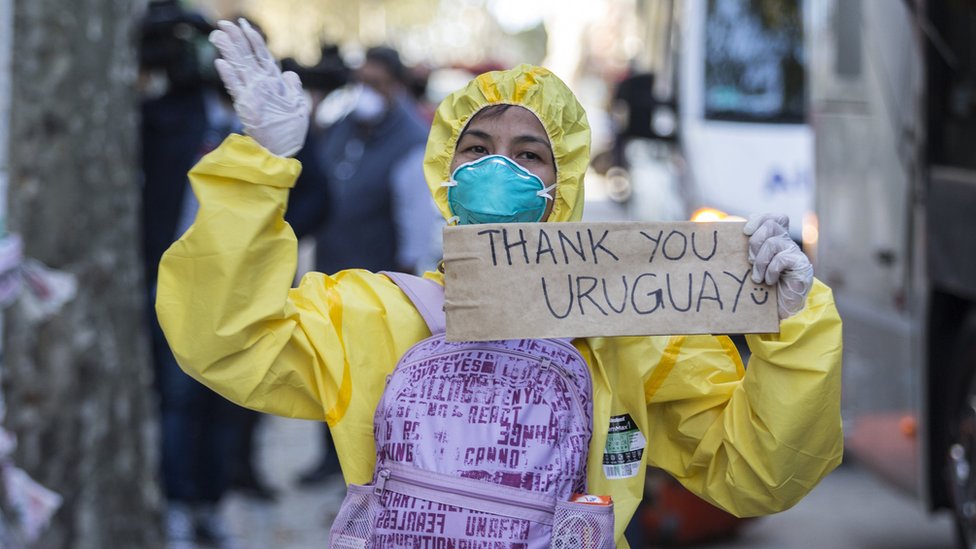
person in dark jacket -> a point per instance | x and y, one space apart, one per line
362 192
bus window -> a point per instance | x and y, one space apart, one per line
754 61
952 98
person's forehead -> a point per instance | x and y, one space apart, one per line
514 121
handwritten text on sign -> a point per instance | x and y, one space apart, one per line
530 280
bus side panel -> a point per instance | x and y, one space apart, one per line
864 108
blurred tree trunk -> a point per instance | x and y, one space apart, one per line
79 385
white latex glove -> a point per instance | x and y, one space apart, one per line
271 105
776 259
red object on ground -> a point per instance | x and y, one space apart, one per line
670 515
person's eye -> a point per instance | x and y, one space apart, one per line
529 155
476 149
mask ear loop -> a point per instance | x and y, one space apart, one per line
453 220
544 192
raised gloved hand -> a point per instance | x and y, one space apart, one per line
271 105
776 259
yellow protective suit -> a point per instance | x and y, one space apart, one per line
751 440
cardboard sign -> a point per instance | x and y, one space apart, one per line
534 280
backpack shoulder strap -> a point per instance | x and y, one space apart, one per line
426 295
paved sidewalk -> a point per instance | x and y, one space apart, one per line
301 517
850 508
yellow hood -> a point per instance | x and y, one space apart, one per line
539 91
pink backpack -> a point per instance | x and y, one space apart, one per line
478 445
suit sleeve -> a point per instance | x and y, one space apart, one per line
234 322
753 440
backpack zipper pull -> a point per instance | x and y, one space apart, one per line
545 363
381 479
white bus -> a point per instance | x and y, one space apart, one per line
742 97
894 111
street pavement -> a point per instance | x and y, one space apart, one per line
301 516
850 509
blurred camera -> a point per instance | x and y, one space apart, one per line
174 52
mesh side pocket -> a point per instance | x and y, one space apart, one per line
582 526
353 527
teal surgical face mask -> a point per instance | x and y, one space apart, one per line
494 189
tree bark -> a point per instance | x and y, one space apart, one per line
79 385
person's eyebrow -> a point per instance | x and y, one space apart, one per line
475 133
531 139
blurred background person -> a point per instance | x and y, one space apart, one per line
321 80
330 100
417 81
245 477
205 439
362 193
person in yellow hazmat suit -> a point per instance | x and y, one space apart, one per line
752 440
